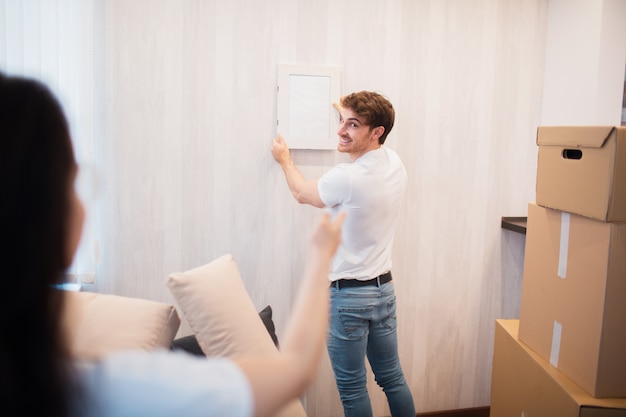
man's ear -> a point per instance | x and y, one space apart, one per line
378 131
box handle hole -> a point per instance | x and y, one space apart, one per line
572 154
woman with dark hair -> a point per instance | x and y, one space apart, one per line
41 218
37 168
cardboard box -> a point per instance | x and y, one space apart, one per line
523 384
582 170
573 306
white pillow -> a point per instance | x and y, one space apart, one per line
98 324
221 314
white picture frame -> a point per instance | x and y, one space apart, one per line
305 114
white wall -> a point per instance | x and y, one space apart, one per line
187 115
585 59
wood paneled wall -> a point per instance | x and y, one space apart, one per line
187 114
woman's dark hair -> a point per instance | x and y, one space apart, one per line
36 170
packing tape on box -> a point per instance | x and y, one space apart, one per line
557 329
556 344
564 245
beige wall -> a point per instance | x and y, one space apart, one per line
186 106
585 59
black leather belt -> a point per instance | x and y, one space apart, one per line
347 283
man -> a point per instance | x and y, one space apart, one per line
363 308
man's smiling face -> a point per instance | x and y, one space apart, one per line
356 137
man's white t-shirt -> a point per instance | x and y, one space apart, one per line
370 190
163 384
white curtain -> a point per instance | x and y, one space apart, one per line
58 42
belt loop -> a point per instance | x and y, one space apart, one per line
378 281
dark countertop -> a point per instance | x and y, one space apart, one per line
516 224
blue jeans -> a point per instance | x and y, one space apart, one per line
363 322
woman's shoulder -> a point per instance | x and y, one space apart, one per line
163 383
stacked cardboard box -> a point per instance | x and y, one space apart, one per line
526 385
573 310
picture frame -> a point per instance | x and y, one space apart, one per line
305 113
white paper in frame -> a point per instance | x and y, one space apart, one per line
305 114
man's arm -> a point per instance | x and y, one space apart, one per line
304 191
